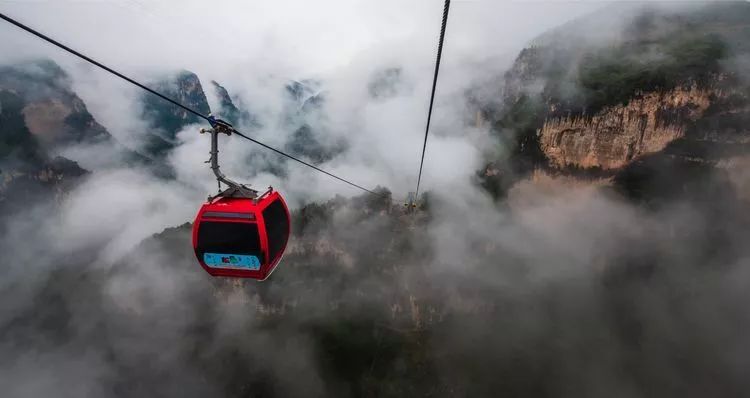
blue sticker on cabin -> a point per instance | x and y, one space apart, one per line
241 261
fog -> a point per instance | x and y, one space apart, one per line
262 47
538 296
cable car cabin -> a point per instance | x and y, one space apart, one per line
241 237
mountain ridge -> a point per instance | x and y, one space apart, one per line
577 108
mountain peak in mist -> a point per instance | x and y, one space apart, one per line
166 119
52 112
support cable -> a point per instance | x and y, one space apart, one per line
446 8
173 102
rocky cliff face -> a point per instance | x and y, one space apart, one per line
616 135
31 184
165 119
229 111
39 114
52 112
667 84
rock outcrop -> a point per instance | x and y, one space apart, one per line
52 112
229 111
165 119
616 135
30 184
667 83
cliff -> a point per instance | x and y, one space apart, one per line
52 112
165 119
29 185
666 81
616 135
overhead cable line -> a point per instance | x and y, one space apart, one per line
446 8
304 163
173 102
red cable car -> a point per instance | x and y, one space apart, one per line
238 233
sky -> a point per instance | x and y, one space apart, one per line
296 37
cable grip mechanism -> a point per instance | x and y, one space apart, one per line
235 190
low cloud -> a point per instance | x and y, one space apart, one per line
562 289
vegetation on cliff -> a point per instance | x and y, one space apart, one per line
658 51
